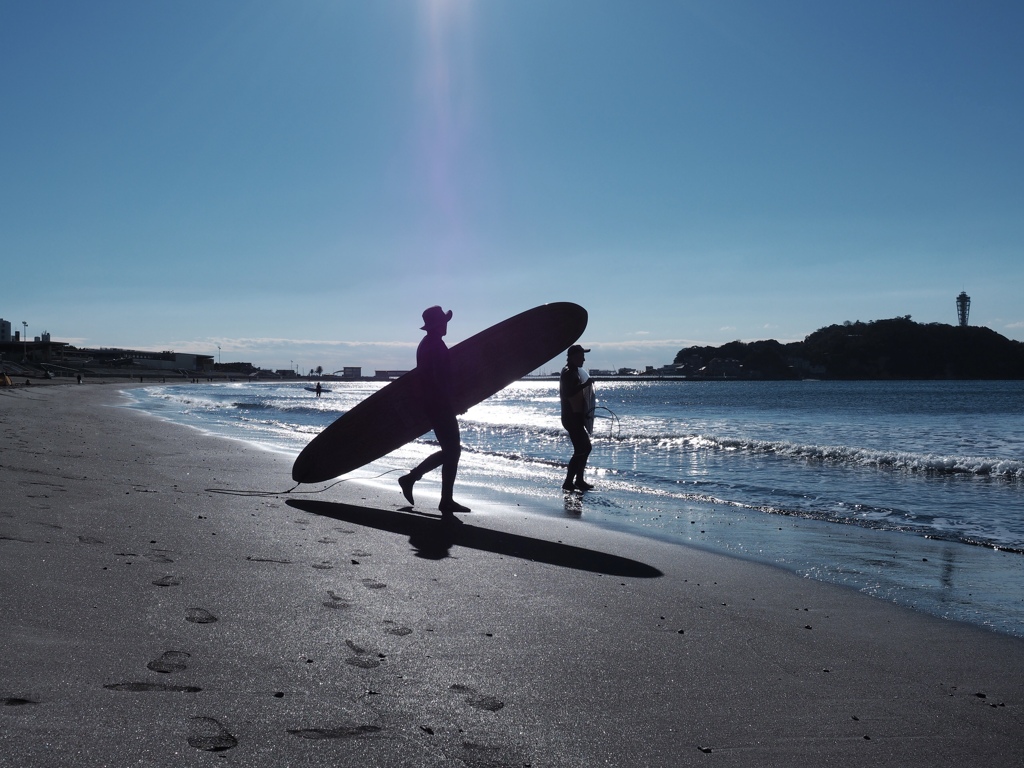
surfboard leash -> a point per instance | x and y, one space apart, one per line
616 426
290 491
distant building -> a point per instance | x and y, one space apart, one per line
352 372
115 357
388 375
240 368
5 331
963 308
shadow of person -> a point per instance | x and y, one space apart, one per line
432 538
434 542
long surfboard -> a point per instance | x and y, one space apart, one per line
481 365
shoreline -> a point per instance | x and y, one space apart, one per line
927 573
349 629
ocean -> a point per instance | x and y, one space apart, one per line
911 492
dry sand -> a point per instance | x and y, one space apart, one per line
150 619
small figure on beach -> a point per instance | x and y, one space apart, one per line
576 390
433 362
319 389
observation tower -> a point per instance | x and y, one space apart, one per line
963 308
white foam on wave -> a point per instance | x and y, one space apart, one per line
865 457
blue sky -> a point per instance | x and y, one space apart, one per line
296 181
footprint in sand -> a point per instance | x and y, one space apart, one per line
208 734
362 662
341 732
361 659
137 687
89 540
170 661
17 701
324 566
481 754
480 701
336 601
168 581
200 616
398 631
373 584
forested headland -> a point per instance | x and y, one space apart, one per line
881 349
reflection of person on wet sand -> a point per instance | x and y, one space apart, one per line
435 375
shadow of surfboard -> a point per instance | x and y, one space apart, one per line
433 539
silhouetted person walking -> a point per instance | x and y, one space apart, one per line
433 362
575 390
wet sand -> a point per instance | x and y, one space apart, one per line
154 611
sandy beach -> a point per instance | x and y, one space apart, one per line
158 609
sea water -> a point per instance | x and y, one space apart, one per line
907 491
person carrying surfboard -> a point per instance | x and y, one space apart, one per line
434 364
576 392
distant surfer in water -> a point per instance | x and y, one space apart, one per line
576 391
435 370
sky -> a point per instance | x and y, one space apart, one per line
292 182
